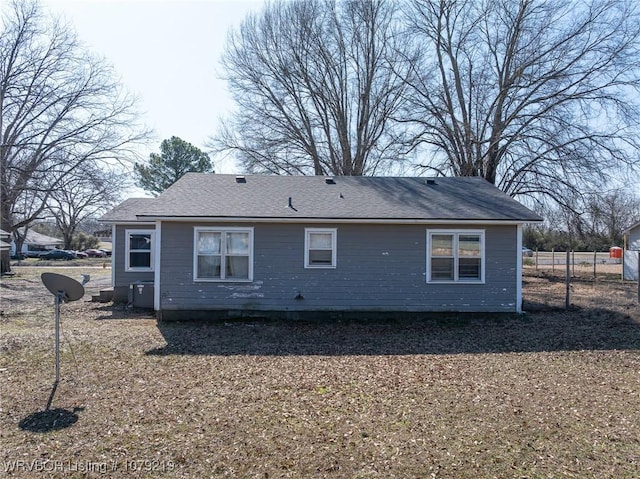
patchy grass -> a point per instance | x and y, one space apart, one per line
551 394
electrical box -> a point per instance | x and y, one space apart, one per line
141 294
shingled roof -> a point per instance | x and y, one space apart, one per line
343 198
127 211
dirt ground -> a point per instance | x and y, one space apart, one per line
552 393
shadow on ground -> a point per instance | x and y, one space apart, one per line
49 420
548 330
121 311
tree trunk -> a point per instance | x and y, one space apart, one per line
19 239
5 261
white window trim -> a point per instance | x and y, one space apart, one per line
207 229
334 247
456 233
127 250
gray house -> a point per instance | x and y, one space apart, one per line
233 246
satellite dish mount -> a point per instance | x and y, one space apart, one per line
64 289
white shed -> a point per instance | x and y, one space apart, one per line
632 252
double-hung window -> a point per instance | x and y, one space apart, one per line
139 250
223 254
455 256
320 247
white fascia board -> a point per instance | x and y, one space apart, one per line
131 223
420 221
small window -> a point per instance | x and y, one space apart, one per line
320 248
139 250
455 256
223 254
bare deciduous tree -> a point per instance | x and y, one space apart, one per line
27 206
538 97
61 108
316 83
606 215
595 221
84 194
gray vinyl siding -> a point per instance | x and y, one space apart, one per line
121 278
379 268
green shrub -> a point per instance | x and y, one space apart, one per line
81 242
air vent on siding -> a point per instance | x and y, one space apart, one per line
241 179
330 181
431 182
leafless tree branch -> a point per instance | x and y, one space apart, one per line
317 85
539 98
61 110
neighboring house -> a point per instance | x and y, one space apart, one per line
233 246
631 253
5 241
37 242
5 252
103 235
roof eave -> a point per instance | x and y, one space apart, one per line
253 219
127 222
628 230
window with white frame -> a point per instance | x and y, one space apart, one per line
139 250
455 256
223 254
320 247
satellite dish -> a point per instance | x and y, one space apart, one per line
68 288
64 289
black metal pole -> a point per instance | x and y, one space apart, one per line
58 300
568 281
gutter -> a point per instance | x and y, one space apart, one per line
425 221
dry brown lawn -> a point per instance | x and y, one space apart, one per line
550 394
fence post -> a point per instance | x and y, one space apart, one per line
573 263
553 260
595 259
536 259
567 302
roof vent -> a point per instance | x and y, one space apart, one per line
431 182
241 179
330 181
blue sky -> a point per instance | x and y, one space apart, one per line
167 53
